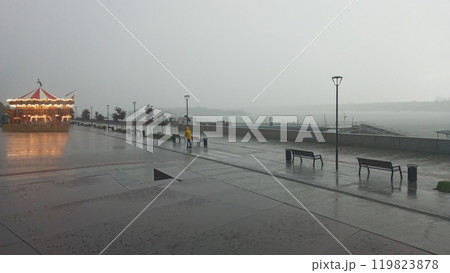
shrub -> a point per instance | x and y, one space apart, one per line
158 135
443 186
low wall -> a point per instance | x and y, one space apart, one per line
426 145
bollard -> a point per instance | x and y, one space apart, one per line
288 154
412 172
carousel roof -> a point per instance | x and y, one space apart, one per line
38 94
41 97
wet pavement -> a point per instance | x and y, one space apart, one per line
74 193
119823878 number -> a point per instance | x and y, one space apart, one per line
404 264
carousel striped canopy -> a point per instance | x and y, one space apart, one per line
38 94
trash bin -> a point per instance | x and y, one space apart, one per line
205 142
288 154
412 172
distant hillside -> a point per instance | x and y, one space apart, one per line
202 111
435 106
413 106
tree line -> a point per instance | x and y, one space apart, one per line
119 114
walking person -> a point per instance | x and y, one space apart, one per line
188 135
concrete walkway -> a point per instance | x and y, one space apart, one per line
74 193
411 213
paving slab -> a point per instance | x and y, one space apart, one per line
20 248
7 237
18 198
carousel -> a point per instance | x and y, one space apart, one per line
39 111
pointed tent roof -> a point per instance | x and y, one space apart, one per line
41 97
38 94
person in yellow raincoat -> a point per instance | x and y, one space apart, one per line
188 135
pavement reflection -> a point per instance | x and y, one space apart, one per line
31 145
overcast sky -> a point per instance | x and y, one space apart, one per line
226 52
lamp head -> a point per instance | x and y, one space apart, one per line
187 97
337 80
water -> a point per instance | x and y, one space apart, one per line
413 124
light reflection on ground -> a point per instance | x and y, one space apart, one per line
20 145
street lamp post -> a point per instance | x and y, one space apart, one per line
90 116
134 113
107 116
337 80
186 97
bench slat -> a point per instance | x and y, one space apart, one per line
307 154
375 163
303 153
380 165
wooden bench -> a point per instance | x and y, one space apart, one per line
306 154
379 165
198 140
177 136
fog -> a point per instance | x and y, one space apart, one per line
226 52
